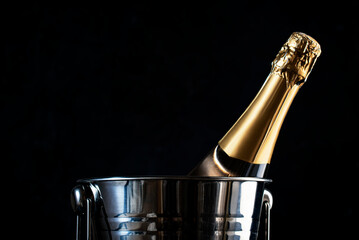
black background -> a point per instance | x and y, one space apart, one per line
91 90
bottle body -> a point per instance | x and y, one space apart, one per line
246 149
217 162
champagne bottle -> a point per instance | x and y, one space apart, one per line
246 149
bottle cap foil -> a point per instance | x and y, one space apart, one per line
298 54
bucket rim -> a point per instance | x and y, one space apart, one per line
173 178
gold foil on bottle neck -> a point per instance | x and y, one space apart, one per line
252 138
297 55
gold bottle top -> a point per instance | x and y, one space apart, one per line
252 138
297 55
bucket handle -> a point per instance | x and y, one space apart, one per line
82 205
268 203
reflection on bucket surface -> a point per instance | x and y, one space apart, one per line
136 208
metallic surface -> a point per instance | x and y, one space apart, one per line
268 203
297 55
170 208
252 138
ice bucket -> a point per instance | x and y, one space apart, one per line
199 208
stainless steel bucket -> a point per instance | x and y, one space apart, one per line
137 208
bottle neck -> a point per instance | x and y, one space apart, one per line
252 138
